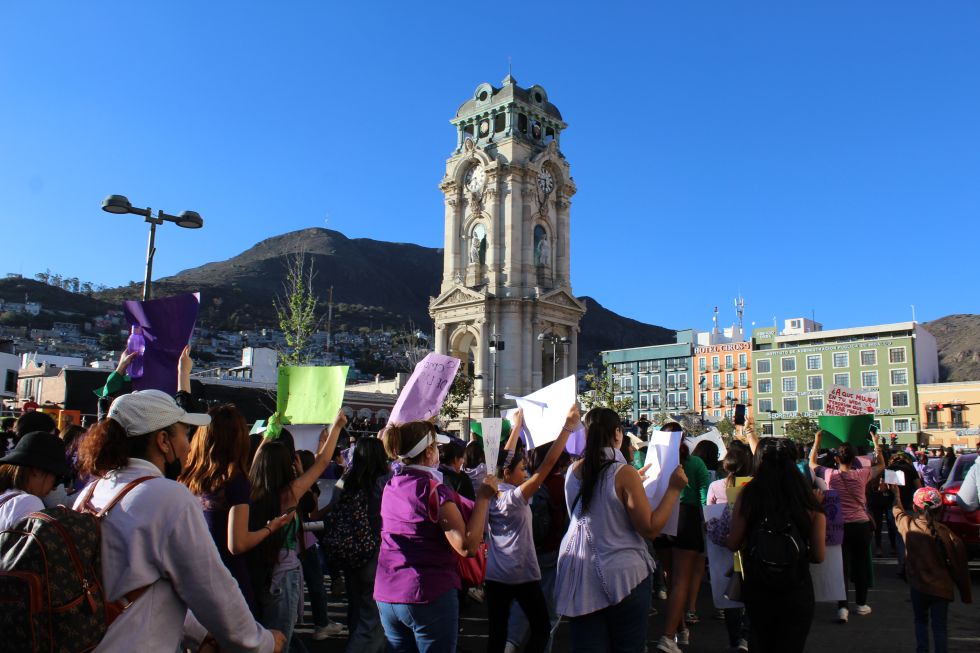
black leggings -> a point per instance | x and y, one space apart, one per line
779 622
531 599
857 539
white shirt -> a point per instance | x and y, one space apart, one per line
157 534
15 509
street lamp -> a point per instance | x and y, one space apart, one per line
772 430
120 205
469 407
555 341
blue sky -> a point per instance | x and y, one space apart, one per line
816 156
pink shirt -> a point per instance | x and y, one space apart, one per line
850 485
717 491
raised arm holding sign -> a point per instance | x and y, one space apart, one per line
426 390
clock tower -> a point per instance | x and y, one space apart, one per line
505 306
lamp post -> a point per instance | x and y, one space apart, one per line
772 430
120 205
469 408
555 341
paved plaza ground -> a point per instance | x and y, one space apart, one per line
887 630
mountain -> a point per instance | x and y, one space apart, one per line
958 341
375 283
57 305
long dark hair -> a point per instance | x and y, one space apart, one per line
272 472
601 425
367 464
778 489
707 451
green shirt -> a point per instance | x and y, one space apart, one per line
695 493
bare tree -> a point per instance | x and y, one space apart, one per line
296 310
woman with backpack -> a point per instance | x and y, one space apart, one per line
604 568
425 527
354 509
28 474
936 565
217 474
274 565
779 525
851 483
513 573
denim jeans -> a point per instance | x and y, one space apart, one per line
363 618
422 627
926 607
313 577
517 626
899 541
620 628
279 605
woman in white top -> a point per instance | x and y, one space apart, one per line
28 473
604 567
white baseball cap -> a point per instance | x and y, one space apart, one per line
148 411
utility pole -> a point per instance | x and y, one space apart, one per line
330 326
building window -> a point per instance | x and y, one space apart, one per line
789 364
714 363
763 366
789 404
789 384
715 380
627 384
816 402
869 379
522 123
499 123
900 399
728 361
841 359
765 405
743 361
743 397
644 366
869 357
644 402
671 400
814 382
901 425
743 379
814 362
896 355
842 378
767 429
655 383
654 366
682 380
682 399
765 386
717 413
729 379
10 383
715 398
671 381
644 383
655 402
900 377
702 364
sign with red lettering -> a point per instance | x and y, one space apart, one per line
846 401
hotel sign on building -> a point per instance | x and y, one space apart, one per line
792 372
724 378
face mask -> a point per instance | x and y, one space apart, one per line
172 470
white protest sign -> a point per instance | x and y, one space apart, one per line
492 427
846 401
894 477
711 435
663 456
306 436
721 561
545 411
828 577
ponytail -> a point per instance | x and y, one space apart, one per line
106 447
399 439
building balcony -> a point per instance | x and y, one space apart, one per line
940 426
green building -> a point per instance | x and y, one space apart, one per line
660 378
793 370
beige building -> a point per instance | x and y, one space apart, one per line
950 413
505 306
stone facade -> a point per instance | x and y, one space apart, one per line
506 276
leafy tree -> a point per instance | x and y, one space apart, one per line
87 288
601 393
657 419
726 427
43 277
296 311
802 429
459 395
692 423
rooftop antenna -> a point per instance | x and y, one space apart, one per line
913 312
510 66
739 310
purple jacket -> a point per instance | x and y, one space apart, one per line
416 564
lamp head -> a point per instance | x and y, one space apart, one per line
190 220
117 204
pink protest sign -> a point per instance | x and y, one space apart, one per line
426 390
845 401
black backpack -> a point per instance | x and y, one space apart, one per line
347 533
777 555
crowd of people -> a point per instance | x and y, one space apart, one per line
210 536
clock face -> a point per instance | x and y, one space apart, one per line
474 178
546 182
484 128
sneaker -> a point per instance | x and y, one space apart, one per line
662 595
719 614
330 630
667 645
863 610
691 617
683 637
842 615
742 646
476 594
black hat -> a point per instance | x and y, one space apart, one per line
40 450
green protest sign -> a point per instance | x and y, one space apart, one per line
477 429
838 429
310 395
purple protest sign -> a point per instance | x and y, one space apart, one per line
167 324
835 518
426 390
